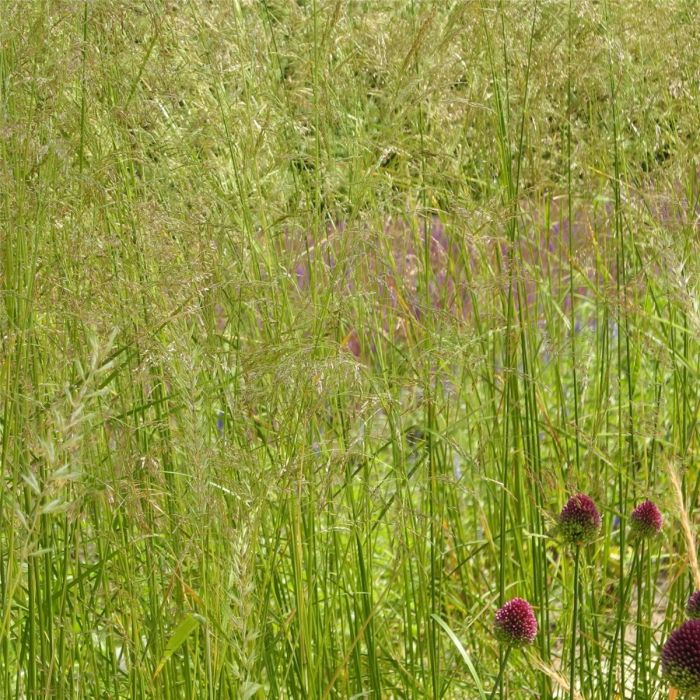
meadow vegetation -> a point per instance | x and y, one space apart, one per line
314 314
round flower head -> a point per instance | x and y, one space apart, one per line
680 658
579 520
692 607
646 520
515 623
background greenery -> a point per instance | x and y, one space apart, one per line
314 313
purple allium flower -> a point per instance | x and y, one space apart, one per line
646 519
692 607
579 520
680 658
515 623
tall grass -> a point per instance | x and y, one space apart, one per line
314 314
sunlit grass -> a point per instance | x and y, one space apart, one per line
314 315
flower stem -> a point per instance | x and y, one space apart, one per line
640 657
572 661
501 667
620 628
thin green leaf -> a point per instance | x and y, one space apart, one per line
464 654
182 631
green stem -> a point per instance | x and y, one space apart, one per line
620 628
640 635
572 660
501 668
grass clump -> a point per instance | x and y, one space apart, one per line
312 313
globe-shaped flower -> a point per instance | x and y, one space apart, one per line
579 520
692 607
515 623
646 520
680 658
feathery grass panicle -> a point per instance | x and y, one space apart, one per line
550 672
686 526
